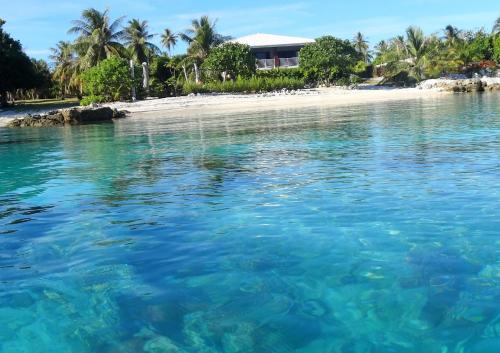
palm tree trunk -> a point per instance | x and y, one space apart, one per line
145 75
185 72
63 90
196 73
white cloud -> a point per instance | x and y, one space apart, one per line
37 52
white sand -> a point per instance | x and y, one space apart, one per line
217 104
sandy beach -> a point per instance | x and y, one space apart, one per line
217 104
325 97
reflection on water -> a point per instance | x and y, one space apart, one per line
368 229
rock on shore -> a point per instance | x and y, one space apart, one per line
73 116
463 85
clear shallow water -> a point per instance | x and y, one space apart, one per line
368 229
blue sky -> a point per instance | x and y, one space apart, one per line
39 24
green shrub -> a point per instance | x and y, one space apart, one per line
192 87
401 79
110 79
496 48
328 60
252 85
236 60
363 69
355 79
92 99
163 76
480 47
293 73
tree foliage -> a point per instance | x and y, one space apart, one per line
233 59
422 56
166 76
496 48
328 60
169 39
98 37
202 37
65 65
138 41
496 27
43 84
110 79
479 46
362 47
16 68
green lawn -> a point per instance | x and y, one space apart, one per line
42 104
39 106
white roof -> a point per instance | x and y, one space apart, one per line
261 40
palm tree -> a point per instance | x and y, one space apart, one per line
381 47
169 39
137 38
451 35
64 62
417 45
400 46
201 37
99 37
496 27
361 45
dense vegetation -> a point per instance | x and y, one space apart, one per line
230 60
108 81
97 64
254 84
328 60
417 56
19 74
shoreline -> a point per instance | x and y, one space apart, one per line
234 103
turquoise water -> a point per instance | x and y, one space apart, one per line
350 230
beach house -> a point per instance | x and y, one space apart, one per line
274 51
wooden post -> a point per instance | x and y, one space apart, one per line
132 73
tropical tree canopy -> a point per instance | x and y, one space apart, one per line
329 59
98 37
169 39
451 35
16 68
496 49
233 59
138 41
496 27
202 36
65 66
109 80
361 45
43 78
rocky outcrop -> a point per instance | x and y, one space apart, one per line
462 85
73 116
491 83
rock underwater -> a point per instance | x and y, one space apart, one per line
73 116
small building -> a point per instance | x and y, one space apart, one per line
274 51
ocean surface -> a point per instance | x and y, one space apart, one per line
364 229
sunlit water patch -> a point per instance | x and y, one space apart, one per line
366 229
